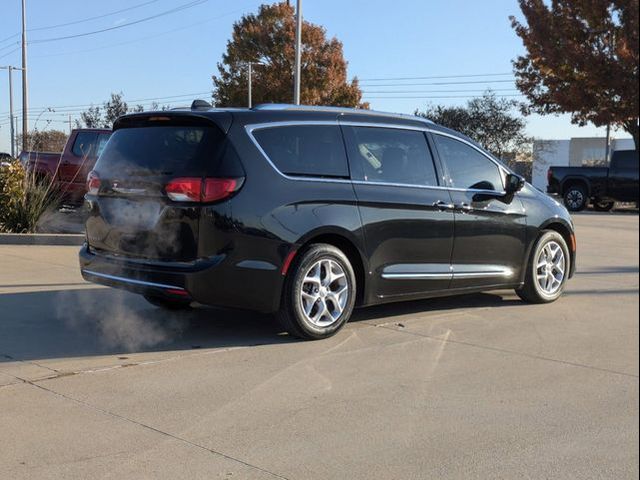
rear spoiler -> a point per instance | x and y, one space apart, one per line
220 118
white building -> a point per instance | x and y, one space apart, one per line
575 152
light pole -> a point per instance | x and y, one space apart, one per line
10 69
25 83
296 71
250 82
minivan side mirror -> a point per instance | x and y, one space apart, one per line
514 183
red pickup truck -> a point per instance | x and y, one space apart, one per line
69 170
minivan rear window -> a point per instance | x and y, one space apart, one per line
163 150
305 150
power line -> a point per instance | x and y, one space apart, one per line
128 24
434 97
439 83
442 91
9 37
166 32
49 27
9 45
434 77
133 7
80 107
10 52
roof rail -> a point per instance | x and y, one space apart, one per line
321 108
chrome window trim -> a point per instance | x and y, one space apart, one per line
503 171
130 280
249 129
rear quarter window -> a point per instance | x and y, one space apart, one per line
305 150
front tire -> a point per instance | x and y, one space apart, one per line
547 269
319 293
575 198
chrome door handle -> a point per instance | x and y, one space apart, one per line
440 205
464 207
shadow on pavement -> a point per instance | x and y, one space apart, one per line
101 321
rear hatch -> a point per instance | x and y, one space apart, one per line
148 187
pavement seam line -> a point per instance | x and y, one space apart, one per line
149 427
29 362
511 352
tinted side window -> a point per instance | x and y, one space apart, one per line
306 150
390 155
84 144
467 167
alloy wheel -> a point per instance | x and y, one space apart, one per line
324 292
550 268
575 199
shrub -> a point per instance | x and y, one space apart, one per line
24 197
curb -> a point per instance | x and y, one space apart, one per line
41 239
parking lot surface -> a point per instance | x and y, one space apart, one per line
96 383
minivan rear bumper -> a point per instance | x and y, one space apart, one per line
210 281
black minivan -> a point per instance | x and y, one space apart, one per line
308 212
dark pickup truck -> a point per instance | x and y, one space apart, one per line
601 185
68 170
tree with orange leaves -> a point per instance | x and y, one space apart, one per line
268 37
582 58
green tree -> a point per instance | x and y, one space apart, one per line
491 121
113 108
90 118
104 116
582 59
268 37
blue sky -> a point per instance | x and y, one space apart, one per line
175 55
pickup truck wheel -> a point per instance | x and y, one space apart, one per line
167 303
575 198
547 269
602 205
319 293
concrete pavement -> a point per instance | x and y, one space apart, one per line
96 383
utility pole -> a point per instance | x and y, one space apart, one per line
607 151
25 83
250 81
296 71
12 131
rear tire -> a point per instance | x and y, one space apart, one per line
319 293
167 303
547 269
602 205
575 198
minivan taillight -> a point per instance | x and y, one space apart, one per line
202 190
93 183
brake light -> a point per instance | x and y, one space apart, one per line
202 190
549 175
219 188
93 183
184 189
